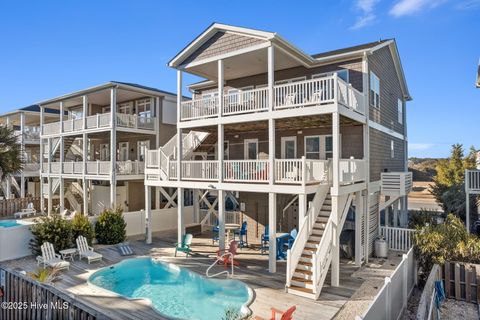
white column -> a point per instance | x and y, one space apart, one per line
50 194
221 79
467 213
113 147
85 182
395 213
272 225
336 150
22 175
62 112
335 264
404 211
62 193
221 219
220 150
271 151
148 214
180 221
196 206
271 76
85 111
49 200
366 151
157 197
9 184
179 154
158 117
41 162
302 209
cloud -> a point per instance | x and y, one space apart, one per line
367 17
468 4
420 146
408 7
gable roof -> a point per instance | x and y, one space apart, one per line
360 47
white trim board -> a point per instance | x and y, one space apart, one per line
381 128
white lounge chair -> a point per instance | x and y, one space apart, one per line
67 214
28 211
84 251
51 259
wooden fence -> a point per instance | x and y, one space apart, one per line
462 281
24 298
10 206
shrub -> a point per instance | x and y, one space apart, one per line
422 217
110 227
81 227
449 241
54 229
44 275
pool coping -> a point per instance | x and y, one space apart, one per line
246 305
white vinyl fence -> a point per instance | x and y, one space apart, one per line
398 239
392 298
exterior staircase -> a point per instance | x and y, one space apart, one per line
310 257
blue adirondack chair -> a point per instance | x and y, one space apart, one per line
291 239
242 235
265 240
215 231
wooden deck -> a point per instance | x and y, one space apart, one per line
253 270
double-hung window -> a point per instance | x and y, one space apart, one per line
374 90
312 147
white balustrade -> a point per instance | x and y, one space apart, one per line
246 170
199 108
200 170
51 128
302 93
245 101
289 170
352 170
31 167
55 167
399 239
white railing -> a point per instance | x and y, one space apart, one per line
322 257
396 183
200 170
472 180
103 120
72 167
352 170
391 300
31 133
246 101
246 170
131 167
199 108
31 167
350 97
51 128
312 92
302 93
301 171
55 167
294 254
398 239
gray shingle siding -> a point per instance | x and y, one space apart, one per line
381 63
380 154
221 43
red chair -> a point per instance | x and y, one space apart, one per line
284 315
226 256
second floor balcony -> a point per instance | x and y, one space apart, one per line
286 171
99 121
95 168
313 92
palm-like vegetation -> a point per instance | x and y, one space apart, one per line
11 159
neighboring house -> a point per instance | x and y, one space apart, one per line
296 140
94 155
26 123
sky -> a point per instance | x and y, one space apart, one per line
49 48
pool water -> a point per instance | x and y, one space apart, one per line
174 292
8 223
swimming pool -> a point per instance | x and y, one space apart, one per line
8 223
174 291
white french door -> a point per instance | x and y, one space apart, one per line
289 147
251 149
122 151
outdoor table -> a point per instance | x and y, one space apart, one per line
281 237
68 254
229 227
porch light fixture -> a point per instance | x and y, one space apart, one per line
299 132
236 136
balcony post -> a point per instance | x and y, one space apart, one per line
62 111
85 196
302 209
50 194
272 225
467 213
336 150
22 143
271 76
85 109
180 221
113 147
221 79
49 167
41 161
221 219
148 214
366 150
179 154
62 193
220 151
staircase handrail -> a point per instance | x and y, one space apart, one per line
305 230
322 257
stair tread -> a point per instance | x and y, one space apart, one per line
302 280
303 271
306 290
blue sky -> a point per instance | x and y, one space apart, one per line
49 48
